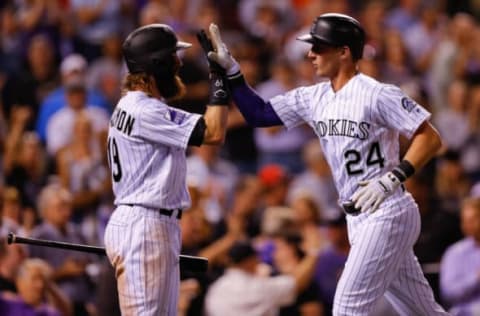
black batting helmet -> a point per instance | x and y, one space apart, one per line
148 45
336 29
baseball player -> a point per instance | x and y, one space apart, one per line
358 121
146 152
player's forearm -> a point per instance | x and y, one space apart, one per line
218 248
304 272
254 109
424 146
216 122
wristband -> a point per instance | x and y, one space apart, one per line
403 170
236 79
219 93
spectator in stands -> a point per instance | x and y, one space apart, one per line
10 39
38 16
396 68
449 57
459 274
81 167
37 294
154 12
316 181
29 87
455 116
467 61
421 38
246 200
287 256
64 119
403 15
451 182
242 291
11 210
96 20
372 17
240 147
11 256
470 152
69 267
331 260
306 221
439 229
73 65
219 176
275 144
274 181
25 164
267 20
68 41
105 72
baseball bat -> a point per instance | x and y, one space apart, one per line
187 263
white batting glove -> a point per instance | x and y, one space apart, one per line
373 192
221 55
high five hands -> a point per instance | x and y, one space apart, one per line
220 54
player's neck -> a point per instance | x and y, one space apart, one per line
342 77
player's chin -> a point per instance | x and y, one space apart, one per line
319 71
179 91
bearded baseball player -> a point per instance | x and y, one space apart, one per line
358 121
146 152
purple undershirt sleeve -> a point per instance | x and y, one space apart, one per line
254 109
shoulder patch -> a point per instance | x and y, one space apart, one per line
175 116
408 104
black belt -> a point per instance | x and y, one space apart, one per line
349 208
165 211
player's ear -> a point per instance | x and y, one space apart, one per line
345 52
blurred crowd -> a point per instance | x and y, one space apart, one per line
263 202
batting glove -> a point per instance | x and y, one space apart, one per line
221 55
373 192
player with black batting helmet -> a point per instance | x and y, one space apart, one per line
147 140
358 121
152 50
337 30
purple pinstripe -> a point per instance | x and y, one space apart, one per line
144 247
381 262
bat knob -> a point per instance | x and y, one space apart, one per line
10 238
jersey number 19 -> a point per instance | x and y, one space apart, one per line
114 159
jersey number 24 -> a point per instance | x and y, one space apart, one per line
354 158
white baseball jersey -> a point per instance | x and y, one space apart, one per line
146 144
146 153
358 127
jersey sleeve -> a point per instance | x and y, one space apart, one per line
398 111
292 107
168 126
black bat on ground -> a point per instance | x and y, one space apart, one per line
187 263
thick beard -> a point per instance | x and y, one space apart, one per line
181 89
169 84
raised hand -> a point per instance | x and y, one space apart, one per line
207 47
220 54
